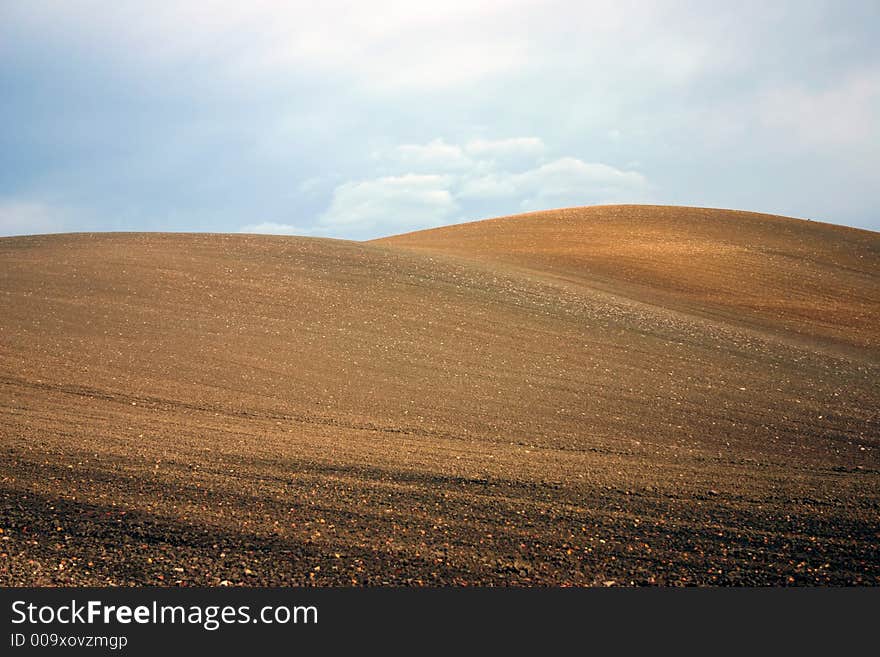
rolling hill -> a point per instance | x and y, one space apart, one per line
607 395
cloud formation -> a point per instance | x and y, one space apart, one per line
436 155
366 208
561 181
216 114
513 174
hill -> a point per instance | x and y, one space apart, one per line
780 274
620 394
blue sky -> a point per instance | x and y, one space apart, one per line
357 120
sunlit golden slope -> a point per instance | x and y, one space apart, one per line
809 278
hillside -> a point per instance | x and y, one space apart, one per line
787 275
601 395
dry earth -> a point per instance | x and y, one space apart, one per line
620 394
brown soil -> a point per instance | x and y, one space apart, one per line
620 394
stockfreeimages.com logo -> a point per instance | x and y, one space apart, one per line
210 617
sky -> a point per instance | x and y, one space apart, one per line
361 119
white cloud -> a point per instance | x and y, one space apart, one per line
412 201
272 228
568 173
390 45
565 181
30 218
393 202
436 155
841 115
384 45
